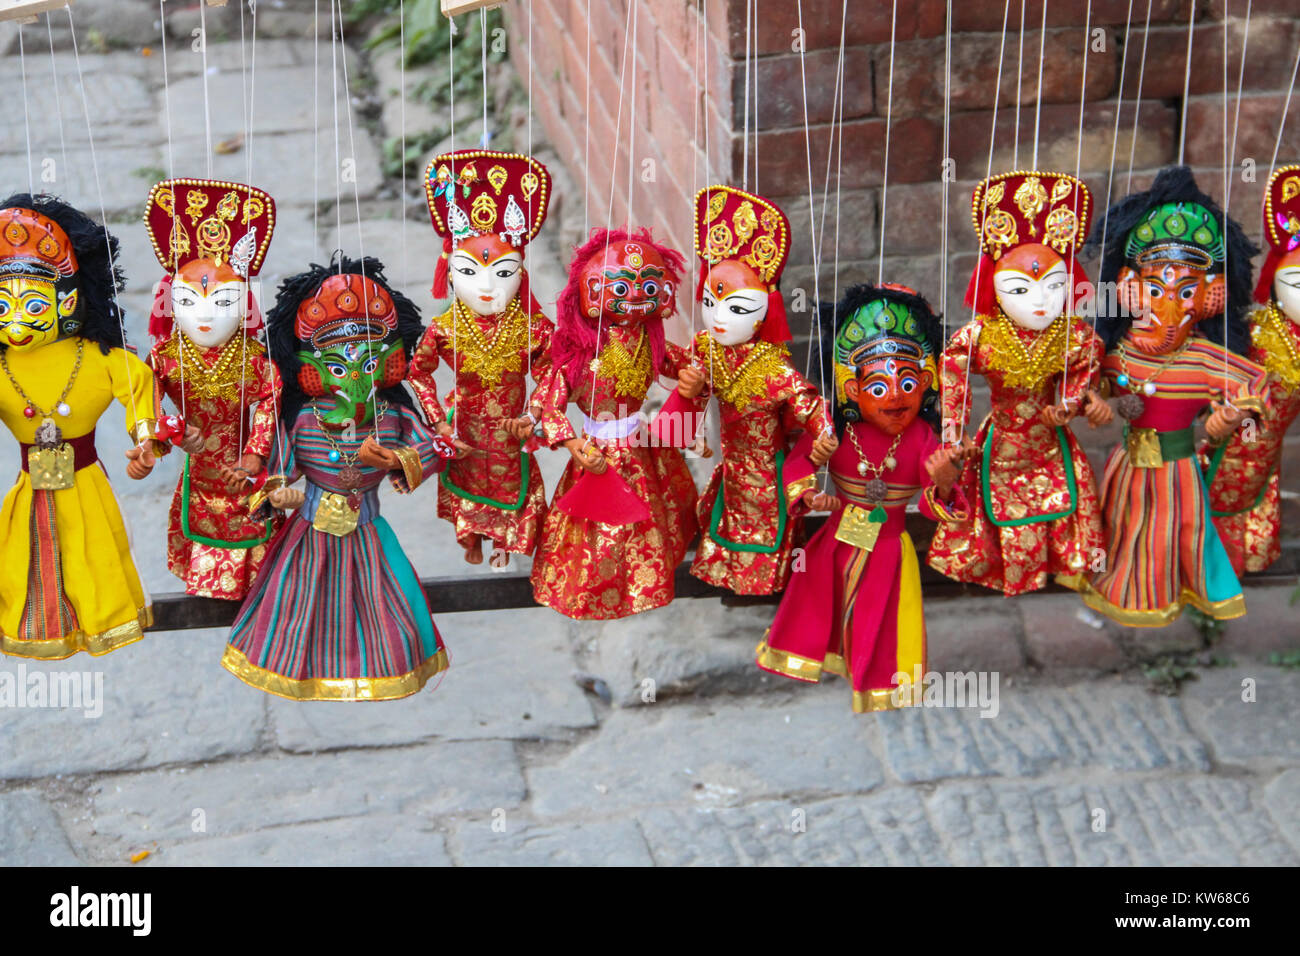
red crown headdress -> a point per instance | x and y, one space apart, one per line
227 223
1012 209
35 245
479 192
733 224
1281 225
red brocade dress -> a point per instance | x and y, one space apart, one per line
337 613
592 570
854 612
1162 550
213 545
747 527
1243 473
1034 509
495 492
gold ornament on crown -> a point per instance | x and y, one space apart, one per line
483 212
1290 188
195 203
1060 228
763 256
496 177
721 243
528 184
253 208
1030 198
744 221
1000 231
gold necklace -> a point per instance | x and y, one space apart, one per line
490 359
748 381
631 373
1148 385
220 379
32 410
1281 357
349 474
876 488
1024 367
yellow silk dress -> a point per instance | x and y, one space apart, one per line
68 582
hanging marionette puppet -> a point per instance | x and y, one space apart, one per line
1243 473
493 335
1165 255
623 512
855 610
747 530
1034 509
337 612
69 581
212 237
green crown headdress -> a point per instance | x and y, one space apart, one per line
880 327
1183 232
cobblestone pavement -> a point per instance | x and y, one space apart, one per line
509 759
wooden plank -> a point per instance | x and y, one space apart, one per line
505 591
454 8
25 11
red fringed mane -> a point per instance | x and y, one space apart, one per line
574 344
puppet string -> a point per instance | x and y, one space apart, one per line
1187 79
1114 140
1020 68
1038 106
812 210
1286 105
944 179
884 175
1137 99
22 59
586 122
837 131
1078 165
58 99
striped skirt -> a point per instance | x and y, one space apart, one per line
1162 551
336 618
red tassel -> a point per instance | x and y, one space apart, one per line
526 296
1267 272
699 283
605 498
980 292
776 326
441 270
160 319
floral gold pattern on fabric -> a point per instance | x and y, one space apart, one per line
1024 367
488 358
1279 349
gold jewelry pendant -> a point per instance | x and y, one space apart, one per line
51 469
860 527
335 515
1144 448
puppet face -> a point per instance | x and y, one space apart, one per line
32 311
1030 282
734 303
628 285
1166 300
209 303
889 391
1286 286
353 372
486 274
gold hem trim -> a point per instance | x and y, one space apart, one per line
1233 607
96 645
786 664
333 688
874 701
412 470
1075 582
795 489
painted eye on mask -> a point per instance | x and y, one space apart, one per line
1016 290
650 288
505 273
372 363
4 308
708 301
1154 291
877 390
1187 293
465 270
741 310
909 385
37 307
619 289
338 371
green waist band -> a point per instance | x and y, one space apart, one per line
1174 445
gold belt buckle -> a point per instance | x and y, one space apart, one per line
1144 448
334 515
52 469
860 527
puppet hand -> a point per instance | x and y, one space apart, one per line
701 447
141 460
816 500
520 428
943 468
1223 421
377 456
1055 416
592 459
286 498
192 443
690 382
823 447
1097 410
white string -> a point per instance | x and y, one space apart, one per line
631 126
401 73
528 364
1286 105
838 119
1227 189
103 216
455 337
1187 78
695 166
586 121
1114 139
1236 116
943 178
171 171
482 25
338 149
812 212
22 59
58 99
207 108
1137 99
889 111
837 103
1078 166
1038 107
988 171
315 140
1020 67
755 2
744 139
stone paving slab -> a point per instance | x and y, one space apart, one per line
30 833
1112 725
615 843
353 841
710 756
1241 732
1282 797
166 700
247 795
510 677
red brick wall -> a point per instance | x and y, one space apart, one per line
670 89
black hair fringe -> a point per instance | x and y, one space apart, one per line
1173 184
